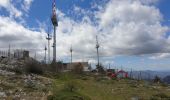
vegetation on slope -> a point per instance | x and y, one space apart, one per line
91 87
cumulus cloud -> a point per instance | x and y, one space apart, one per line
20 37
7 4
159 56
4 3
27 4
16 12
130 27
126 27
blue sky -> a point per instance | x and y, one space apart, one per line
41 10
132 33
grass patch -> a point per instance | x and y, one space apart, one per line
67 85
67 95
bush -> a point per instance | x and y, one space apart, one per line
160 96
78 68
100 69
17 70
33 66
157 79
56 66
68 92
65 95
71 86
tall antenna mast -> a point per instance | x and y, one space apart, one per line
55 24
45 54
9 52
48 38
97 48
71 50
131 76
35 56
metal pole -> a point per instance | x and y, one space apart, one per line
97 47
48 51
71 57
54 45
45 54
55 24
9 52
48 38
35 56
71 54
97 57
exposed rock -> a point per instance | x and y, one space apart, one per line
135 98
3 94
5 73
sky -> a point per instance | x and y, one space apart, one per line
133 34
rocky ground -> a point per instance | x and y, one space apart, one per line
14 86
23 87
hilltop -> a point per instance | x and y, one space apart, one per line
69 86
25 79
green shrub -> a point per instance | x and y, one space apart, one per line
17 70
157 79
78 68
56 66
66 95
160 96
71 86
33 66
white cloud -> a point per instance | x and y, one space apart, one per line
13 11
125 28
27 4
159 56
16 11
132 28
20 37
149 1
4 3
127 11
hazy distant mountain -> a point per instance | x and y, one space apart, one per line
167 79
149 74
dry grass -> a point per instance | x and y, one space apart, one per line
117 90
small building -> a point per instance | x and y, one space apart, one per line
71 66
3 54
21 54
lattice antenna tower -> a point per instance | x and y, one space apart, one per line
55 24
71 52
45 58
97 48
48 39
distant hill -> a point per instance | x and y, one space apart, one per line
150 74
167 79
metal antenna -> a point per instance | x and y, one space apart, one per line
55 24
149 77
131 73
140 75
35 56
45 54
48 38
97 48
71 50
9 52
